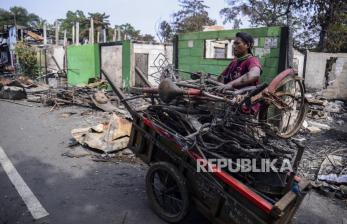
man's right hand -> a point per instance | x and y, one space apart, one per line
224 87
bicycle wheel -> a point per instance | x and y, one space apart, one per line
167 192
286 121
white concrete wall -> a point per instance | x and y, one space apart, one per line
59 54
315 68
153 50
111 63
337 88
298 62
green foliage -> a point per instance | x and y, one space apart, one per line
317 24
100 20
27 57
192 17
263 13
165 32
19 16
133 34
130 31
147 37
71 19
330 17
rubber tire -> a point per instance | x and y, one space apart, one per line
263 112
182 186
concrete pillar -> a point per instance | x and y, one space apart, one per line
65 40
44 34
73 34
98 37
104 35
119 38
77 33
114 35
56 32
92 30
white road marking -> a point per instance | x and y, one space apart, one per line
32 203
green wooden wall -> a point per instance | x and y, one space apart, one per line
126 62
83 63
190 50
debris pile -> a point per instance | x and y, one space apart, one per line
323 114
108 138
14 89
325 157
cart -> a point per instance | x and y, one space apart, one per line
173 184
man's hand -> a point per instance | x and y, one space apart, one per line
224 87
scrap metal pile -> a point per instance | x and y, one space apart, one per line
221 126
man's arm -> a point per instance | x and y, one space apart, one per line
248 78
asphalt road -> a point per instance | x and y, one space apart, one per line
72 190
79 190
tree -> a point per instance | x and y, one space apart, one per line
71 19
100 20
192 17
313 22
263 13
19 16
147 37
128 30
165 32
331 19
27 57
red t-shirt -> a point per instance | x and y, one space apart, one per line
236 69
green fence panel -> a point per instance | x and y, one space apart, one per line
83 63
126 62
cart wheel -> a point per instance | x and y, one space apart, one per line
167 192
287 122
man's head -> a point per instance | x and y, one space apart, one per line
243 44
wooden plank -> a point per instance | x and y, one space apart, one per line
142 77
287 199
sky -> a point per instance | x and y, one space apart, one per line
142 14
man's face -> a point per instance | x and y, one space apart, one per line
240 48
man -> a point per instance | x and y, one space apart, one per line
245 69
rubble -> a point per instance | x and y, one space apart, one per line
111 137
12 93
318 125
340 122
313 129
101 101
334 107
